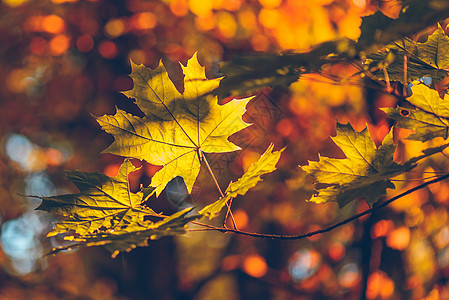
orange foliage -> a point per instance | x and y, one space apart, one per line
219 28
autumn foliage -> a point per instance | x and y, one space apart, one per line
218 175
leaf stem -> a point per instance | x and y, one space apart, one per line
387 79
211 173
404 87
229 212
327 229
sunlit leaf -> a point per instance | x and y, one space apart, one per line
424 59
430 117
365 172
176 126
135 235
103 204
266 164
106 212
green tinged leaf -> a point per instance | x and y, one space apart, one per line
373 27
106 212
434 51
365 172
424 59
266 164
135 235
378 30
430 117
176 126
248 73
103 204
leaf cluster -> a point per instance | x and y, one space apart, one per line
179 129
248 73
423 59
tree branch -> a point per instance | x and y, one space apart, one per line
327 229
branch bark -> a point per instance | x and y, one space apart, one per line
327 229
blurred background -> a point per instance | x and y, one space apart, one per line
62 61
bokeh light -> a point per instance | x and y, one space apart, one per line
380 286
399 238
20 241
53 24
107 49
19 149
303 264
255 265
85 43
39 184
59 44
349 275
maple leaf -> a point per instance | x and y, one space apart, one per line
365 172
430 117
264 165
103 204
176 126
135 235
248 73
424 59
378 29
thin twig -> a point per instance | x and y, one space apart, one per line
387 79
228 212
219 189
327 229
370 75
404 87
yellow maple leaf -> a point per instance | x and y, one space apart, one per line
177 127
